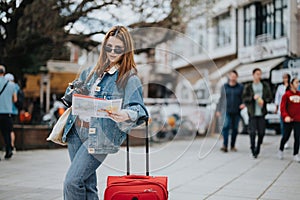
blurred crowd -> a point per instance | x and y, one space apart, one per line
255 96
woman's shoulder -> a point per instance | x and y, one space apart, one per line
287 93
133 78
281 86
85 72
133 81
88 69
133 75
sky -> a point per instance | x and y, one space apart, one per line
125 14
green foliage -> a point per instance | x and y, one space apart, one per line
32 33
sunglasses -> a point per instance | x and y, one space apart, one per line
116 50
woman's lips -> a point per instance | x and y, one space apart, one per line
113 57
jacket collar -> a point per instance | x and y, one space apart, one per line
113 69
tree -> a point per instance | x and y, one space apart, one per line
32 32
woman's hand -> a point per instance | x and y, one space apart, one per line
119 116
288 119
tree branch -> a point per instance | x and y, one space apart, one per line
82 41
82 13
171 21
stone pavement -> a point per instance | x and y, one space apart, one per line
196 170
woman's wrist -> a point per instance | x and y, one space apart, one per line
132 115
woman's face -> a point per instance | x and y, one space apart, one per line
114 49
285 78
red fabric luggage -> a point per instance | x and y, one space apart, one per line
137 187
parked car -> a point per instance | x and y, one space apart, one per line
272 118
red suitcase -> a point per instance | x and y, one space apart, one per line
137 187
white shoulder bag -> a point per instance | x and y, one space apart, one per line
58 129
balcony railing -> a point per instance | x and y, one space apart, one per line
263 38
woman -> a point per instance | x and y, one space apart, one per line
286 78
113 77
290 107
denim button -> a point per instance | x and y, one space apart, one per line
97 89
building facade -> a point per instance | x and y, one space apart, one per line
236 34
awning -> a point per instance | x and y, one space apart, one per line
245 70
224 69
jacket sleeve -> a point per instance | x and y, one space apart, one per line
133 103
241 93
82 77
222 100
133 99
247 96
283 106
268 97
277 96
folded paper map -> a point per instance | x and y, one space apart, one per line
89 106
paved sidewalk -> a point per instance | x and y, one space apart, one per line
196 170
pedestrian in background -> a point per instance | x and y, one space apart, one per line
231 104
281 89
15 110
7 97
256 95
113 77
290 112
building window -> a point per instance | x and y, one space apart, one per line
265 21
281 18
268 19
223 30
249 25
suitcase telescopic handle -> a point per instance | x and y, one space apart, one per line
139 121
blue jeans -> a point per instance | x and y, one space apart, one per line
81 179
231 122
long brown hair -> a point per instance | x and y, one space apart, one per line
126 62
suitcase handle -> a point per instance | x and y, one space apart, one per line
139 121
137 177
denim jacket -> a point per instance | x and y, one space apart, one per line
105 135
